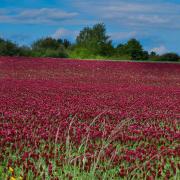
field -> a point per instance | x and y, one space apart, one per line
70 119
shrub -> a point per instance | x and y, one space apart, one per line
169 57
48 47
8 48
60 52
25 51
78 52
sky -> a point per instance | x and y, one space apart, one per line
156 23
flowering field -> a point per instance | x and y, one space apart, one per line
69 119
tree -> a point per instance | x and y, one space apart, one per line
8 48
145 55
47 43
134 49
25 51
48 47
121 50
119 46
169 57
153 53
84 37
65 42
95 40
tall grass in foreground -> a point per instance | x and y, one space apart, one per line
89 159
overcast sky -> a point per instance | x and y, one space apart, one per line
155 23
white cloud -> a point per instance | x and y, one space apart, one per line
47 12
159 50
133 14
151 19
35 16
119 12
123 35
64 33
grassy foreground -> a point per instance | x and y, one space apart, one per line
90 159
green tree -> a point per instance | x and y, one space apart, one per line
145 55
25 51
48 47
95 40
8 48
134 49
65 42
47 43
121 50
153 53
107 49
169 57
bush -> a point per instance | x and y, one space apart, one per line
79 53
133 49
8 48
25 51
47 43
169 57
48 47
55 53
145 55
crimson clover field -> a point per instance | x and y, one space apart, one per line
70 119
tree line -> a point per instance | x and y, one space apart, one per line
91 42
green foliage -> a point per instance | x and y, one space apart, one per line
132 48
25 51
107 49
91 43
145 55
60 52
80 53
169 57
121 50
65 42
153 53
8 48
47 43
49 47
95 40
83 53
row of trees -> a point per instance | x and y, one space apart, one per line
92 42
47 47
